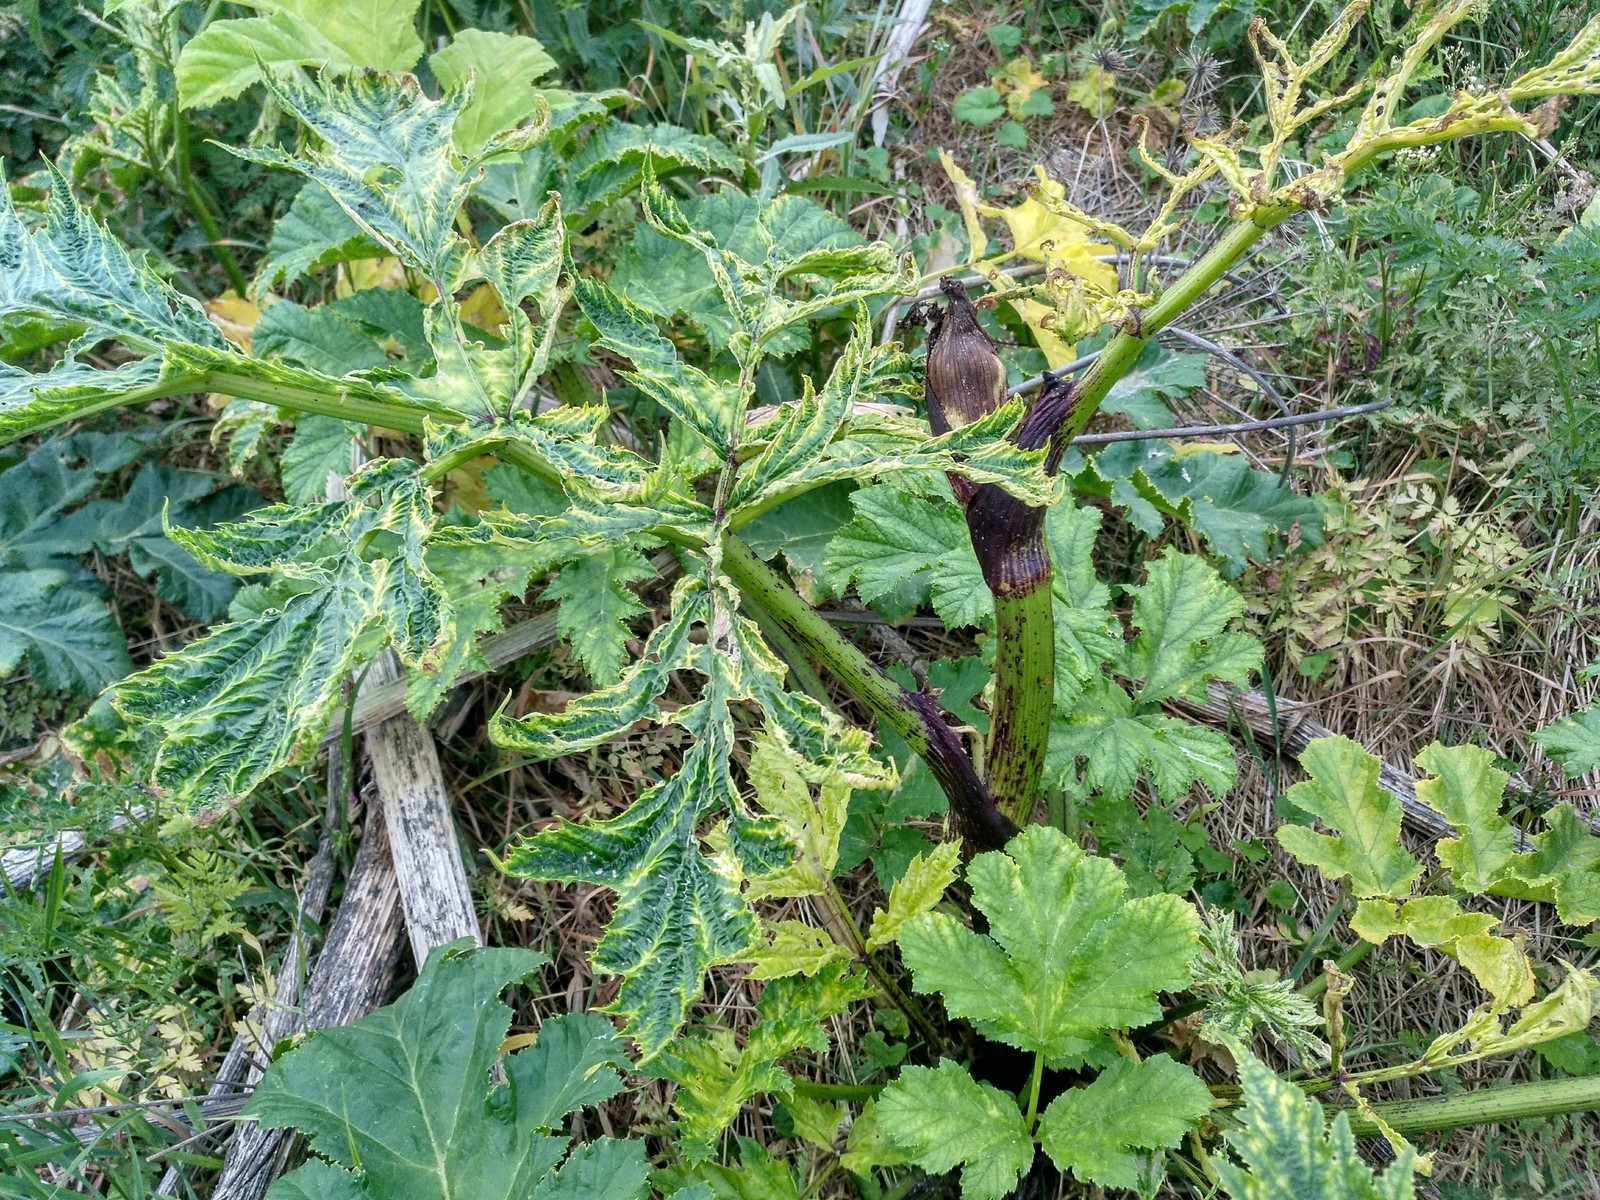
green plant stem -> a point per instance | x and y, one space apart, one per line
1024 681
1120 353
912 715
331 402
1035 1079
842 928
194 196
1515 1102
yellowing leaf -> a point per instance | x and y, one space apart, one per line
967 198
1046 237
794 948
1498 963
812 823
236 318
1041 318
1500 967
1343 793
384 272
917 891
1017 82
1094 91
1466 791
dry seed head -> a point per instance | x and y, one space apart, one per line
1110 59
966 379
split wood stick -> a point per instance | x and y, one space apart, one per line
353 976
434 893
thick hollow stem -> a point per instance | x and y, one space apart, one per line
1516 1102
913 715
1008 537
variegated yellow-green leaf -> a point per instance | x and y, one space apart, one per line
236 707
1286 1149
715 1077
73 271
239 705
679 909
916 891
1068 957
685 392
794 948
812 822
617 157
1343 793
388 159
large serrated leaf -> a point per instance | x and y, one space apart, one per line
1117 742
133 525
684 392
1573 742
403 1100
596 606
942 1118
1095 1131
315 232
1182 611
1068 957
235 707
1242 512
66 631
889 549
73 270
617 157
679 909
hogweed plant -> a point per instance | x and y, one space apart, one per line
970 498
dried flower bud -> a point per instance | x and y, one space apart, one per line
966 379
